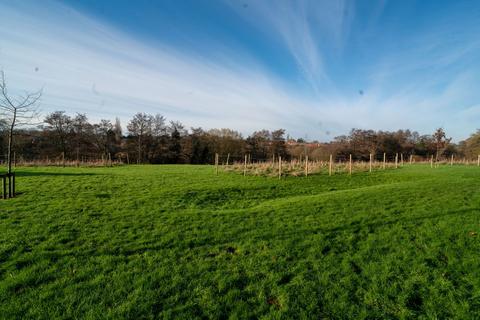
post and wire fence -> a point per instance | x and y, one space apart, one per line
249 165
279 166
60 160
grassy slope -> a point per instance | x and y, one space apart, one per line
176 241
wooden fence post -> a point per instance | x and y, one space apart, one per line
350 165
330 166
279 167
370 163
245 166
306 166
384 160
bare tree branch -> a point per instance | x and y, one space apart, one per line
18 111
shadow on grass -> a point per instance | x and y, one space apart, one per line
356 226
331 234
126 248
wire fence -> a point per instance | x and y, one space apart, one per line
258 165
19 160
334 165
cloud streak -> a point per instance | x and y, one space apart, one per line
90 67
86 65
303 26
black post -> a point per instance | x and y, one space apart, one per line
10 186
13 187
4 178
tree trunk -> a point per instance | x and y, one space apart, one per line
10 141
139 150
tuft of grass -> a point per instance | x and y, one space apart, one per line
179 242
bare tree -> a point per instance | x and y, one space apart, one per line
17 111
159 128
61 124
117 129
140 127
104 134
82 133
441 141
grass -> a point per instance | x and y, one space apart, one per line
144 242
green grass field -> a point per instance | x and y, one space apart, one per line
179 242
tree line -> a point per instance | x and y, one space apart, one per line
147 139
152 139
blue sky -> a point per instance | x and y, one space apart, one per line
316 68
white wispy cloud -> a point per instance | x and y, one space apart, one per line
88 66
303 26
